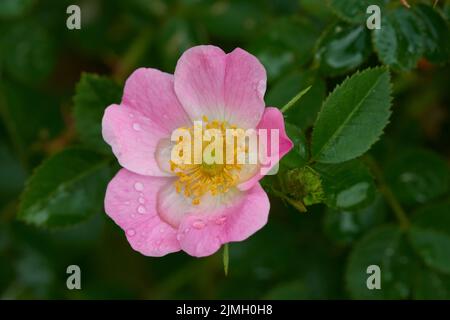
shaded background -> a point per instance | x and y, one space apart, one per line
297 255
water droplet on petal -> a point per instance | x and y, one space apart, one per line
186 230
141 200
131 232
161 230
141 209
136 126
179 237
139 186
221 220
199 224
131 115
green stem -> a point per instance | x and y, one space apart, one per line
388 194
226 258
297 97
297 204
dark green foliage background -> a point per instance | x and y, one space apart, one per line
371 197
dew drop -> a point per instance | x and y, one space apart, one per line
138 186
221 220
131 232
141 200
136 126
186 230
199 224
141 209
179 237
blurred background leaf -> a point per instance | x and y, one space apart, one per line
399 43
65 189
342 48
93 95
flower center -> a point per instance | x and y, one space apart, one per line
213 174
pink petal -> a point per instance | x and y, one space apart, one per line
201 234
164 154
272 119
221 86
151 92
173 206
134 139
131 202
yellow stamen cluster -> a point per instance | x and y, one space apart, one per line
196 180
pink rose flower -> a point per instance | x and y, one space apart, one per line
163 207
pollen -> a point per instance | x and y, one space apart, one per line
195 180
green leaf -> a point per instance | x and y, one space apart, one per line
386 248
304 112
436 33
430 236
65 189
433 246
347 185
435 217
354 10
93 94
399 42
343 226
352 117
417 176
431 285
342 48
